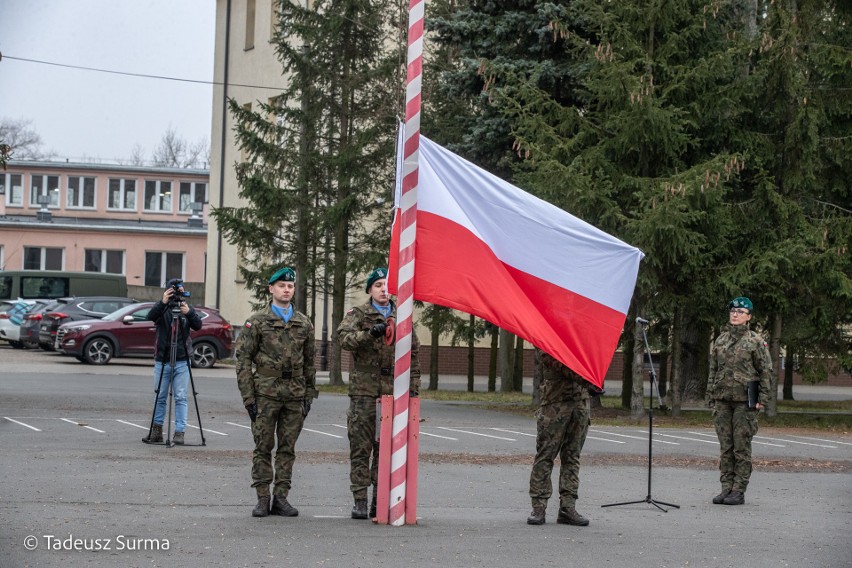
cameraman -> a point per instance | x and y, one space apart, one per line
163 314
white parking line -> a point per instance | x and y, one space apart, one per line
513 432
323 433
703 434
476 434
132 424
83 425
340 426
207 430
633 437
685 438
754 442
795 442
821 440
239 425
534 435
422 433
22 424
605 440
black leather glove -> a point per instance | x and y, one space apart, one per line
252 411
306 405
378 330
413 393
595 391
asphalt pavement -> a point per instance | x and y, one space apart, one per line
77 477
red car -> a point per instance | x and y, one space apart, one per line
128 333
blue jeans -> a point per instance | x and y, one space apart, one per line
178 378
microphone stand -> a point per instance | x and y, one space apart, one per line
648 498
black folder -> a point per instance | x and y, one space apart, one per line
753 394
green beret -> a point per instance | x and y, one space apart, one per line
286 274
376 274
741 302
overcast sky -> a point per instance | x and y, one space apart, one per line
87 114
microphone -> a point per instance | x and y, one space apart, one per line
641 321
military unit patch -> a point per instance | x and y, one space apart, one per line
248 324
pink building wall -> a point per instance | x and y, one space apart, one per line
75 229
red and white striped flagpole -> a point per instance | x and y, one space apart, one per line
405 279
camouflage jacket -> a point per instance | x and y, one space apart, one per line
560 383
373 370
738 356
276 359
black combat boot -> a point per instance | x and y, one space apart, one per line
734 498
359 511
281 507
720 498
155 436
537 515
570 516
262 507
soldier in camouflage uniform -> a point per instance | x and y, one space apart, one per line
737 357
563 422
368 332
276 378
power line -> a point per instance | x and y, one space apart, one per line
143 75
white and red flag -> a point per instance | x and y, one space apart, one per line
485 247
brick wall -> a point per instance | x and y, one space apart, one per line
453 361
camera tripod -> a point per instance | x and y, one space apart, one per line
174 336
649 499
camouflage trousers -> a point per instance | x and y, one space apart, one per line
562 429
735 426
275 418
363 446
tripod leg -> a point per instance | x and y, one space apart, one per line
625 503
195 399
173 339
156 401
170 401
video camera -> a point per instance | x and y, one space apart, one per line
179 294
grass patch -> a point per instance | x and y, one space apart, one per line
833 416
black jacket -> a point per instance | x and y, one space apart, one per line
161 315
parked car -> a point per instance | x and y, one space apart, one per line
75 309
31 326
128 333
11 319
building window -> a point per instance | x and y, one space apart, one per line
13 186
158 196
160 267
250 13
109 261
191 193
43 258
44 185
81 192
122 194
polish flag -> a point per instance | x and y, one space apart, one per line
487 248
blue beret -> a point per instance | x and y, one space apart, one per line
376 274
286 274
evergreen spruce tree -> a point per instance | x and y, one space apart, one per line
318 174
